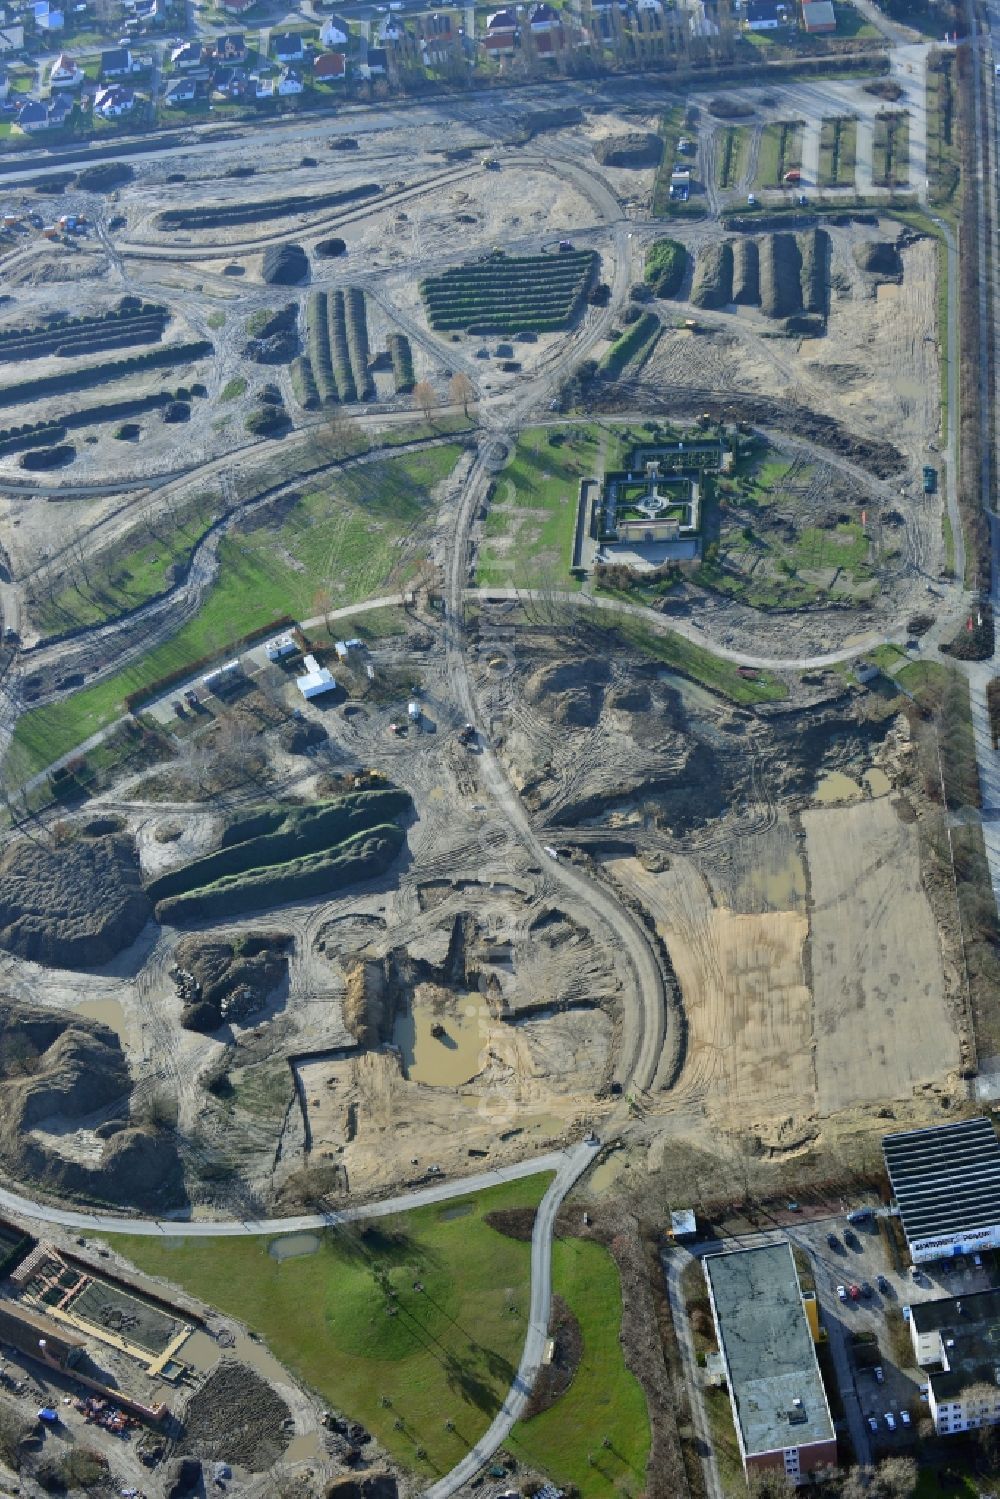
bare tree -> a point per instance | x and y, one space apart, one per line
424 397
461 390
770 1483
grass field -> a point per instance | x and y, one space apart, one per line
597 1435
780 152
837 148
891 150
344 541
731 154
671 130
528 538
449 1352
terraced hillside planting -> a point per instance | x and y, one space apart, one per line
132 322
510 294
286 853
226 215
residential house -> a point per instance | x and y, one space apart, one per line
767 15
11 38
335 32
33 116
263 88
818 17
376 62
116 63
542 18
150 12
113 102
290 82
439 39
288 46
389 30
650 7
501 33
65 72
231 47
180 91
60 108
231 83
187 55
329 66
236 7
47 17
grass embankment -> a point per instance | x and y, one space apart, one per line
597 1435
943 157
700 665
780 152
447 1355
838 152
666 262
341 543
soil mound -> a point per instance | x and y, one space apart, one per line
372 1486
72 906
636 149
237 1418
285 265
879 258
227 980
59 1071
572 691
329 249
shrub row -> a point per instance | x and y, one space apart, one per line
629 344
340 354
814 250
45 458
402 362
101 374
357 338
303 382
335 818
359 858
20 341
219 215
318 343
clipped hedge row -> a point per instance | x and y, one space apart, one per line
359 858
666 262
101 374
37 342
357 338
318 342
340 354
402 362
279 834
629 344
303 382
220 215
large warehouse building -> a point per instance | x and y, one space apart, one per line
946 1183
780 1410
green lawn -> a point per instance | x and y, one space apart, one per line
604 1403
731 155
837 152
448 1353
529 528
780 152
349 537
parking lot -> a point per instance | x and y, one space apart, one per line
859 1258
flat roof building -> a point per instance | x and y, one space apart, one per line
780 1409
957 1339
818 17
317 679
946 1182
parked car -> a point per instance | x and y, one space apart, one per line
904 1416
879 1373
873 1423
852 1241
866 1289
883 1285
890 1420
842 1292
854 1292
833 1241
